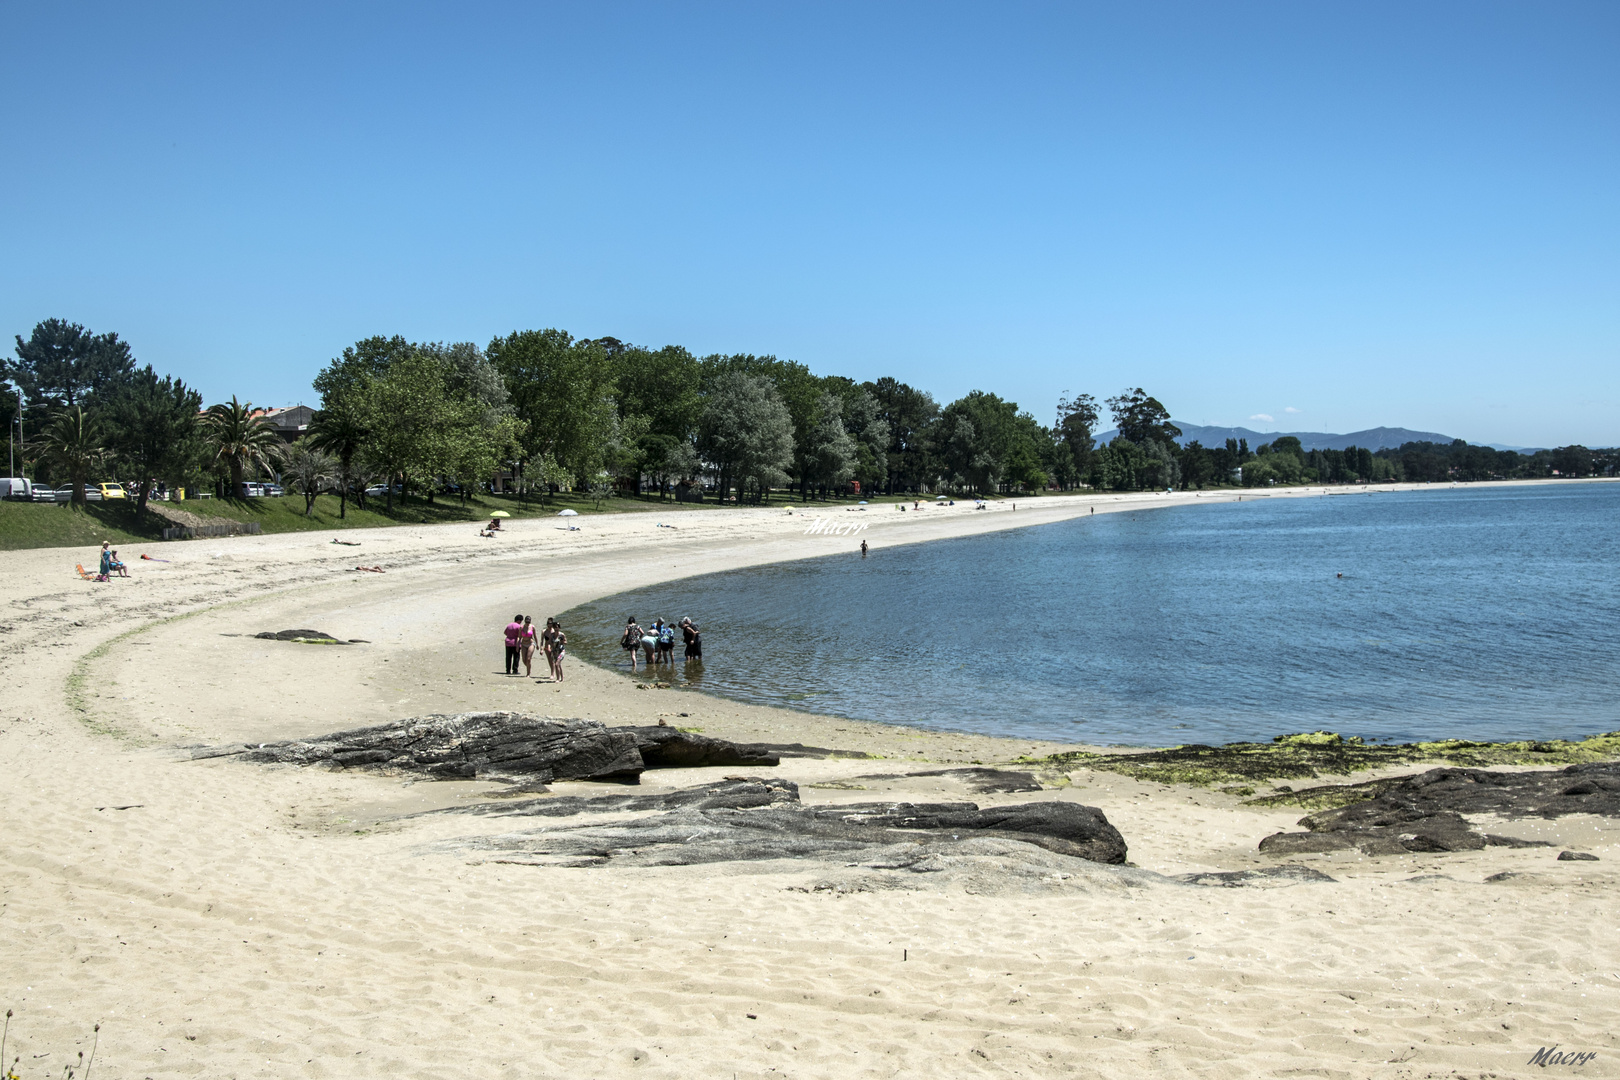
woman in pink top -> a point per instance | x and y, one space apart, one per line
514 640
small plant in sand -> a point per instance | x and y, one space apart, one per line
74 1070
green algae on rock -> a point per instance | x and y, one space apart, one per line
1313 754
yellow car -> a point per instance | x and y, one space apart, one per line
112 491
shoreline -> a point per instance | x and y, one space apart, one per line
221 917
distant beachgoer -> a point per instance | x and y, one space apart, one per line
106 562
649 645
666 643
118 565
631 641
526 643
514 639
863 549
694 640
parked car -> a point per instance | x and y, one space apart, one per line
15 487
274 489
45 494
252 489
378 490
112 491
92 493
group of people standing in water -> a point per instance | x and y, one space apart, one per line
657 643
522 641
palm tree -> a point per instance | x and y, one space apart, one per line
72 440
307 470
242 440
339 432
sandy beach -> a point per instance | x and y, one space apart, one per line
220 918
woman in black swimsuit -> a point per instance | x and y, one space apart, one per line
694 640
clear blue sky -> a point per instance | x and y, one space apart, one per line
1403 214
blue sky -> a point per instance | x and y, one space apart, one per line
1403 214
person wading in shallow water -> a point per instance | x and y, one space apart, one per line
514 641
863 549
631 641
694 640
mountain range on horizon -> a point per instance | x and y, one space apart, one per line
1378 438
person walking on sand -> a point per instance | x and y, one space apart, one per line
526 644
631 641
559 646
514 639
694 640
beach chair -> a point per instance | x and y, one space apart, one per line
87 575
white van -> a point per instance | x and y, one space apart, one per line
15 487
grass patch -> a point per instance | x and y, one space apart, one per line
35 525
1310 755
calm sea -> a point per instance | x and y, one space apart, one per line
1478 613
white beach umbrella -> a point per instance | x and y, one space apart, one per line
568 513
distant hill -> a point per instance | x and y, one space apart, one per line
1376 438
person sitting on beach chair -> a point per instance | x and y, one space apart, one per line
118 565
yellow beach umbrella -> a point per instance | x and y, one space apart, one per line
500 513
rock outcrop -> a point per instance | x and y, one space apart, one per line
505 746
751 819
1425 812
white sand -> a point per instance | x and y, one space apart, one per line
244 921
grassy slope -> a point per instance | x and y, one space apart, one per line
31 525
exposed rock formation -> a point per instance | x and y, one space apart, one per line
506 746
1424 812
748 818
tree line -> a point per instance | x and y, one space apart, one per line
547 411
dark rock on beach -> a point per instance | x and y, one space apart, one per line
1576 856
748 819
505 746
1424 812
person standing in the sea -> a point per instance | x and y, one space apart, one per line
694 640
863 549
514 639
631 641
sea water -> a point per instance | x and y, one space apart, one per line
1461 612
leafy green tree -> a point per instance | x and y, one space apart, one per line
830 455
71 440
746 434
985 441
909 414
150 423
308 471
663 388
563 391
1076 429
1196 466
1140 417
62 364
413 421
242 440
